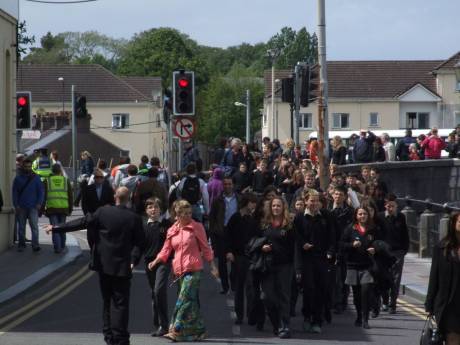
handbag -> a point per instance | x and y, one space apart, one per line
430 333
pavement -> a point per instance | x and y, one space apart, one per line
21 271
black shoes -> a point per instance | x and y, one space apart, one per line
238 322
392 310
223 291
366 325
375 313
159 332
36 249
358 322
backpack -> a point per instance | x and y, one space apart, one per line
191 190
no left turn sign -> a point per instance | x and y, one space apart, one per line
184 128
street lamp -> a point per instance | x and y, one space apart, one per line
61 79
248 114
273 54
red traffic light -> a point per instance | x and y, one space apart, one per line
183 83
22 101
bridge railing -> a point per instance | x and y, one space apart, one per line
427 221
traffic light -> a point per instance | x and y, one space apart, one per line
23 110
80 106
310 85
287 90
183 93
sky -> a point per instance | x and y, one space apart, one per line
355 29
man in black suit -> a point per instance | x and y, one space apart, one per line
113 232
98 194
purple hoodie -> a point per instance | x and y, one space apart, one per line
215 185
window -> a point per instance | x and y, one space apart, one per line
374 120
305 121
416 120
340 120
120 121
458 85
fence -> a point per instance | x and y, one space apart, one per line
427 221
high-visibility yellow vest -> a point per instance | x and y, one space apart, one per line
57 196
42 167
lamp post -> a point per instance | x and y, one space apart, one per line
61 79
273 54
248 115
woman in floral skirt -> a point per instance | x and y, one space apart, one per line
187 240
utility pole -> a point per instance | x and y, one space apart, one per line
297 88
74 138
248 116
323 121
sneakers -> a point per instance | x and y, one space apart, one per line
284 333
385 307
315 329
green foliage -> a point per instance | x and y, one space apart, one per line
23 39
78 47
294 46
158 52
218 115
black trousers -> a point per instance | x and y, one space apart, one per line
362 297
390 297
218 245
158 282
315 293
115 314
256 310
276 294
243 286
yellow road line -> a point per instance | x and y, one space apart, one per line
44 297
412 309
47 303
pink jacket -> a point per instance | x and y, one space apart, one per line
433 147
189 244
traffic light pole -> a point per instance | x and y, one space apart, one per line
323 121
74 138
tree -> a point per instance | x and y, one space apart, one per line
293 47
52 51
78 47
158 52
217 114
23 39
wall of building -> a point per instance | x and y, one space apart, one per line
450 106
7 124
420 107
138 139
358 110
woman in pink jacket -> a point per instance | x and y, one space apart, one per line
187 239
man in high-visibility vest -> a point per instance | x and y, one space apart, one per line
42 164
58 205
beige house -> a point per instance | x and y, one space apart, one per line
380 95
125 111
9 13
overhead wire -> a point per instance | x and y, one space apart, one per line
61 2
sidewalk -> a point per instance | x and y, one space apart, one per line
20 271
416 274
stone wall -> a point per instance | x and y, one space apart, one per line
438 180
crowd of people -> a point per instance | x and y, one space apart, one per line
275 233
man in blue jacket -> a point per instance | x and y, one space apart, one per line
28 197
362 149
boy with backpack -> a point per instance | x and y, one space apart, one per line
193 189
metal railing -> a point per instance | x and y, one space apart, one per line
427 222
